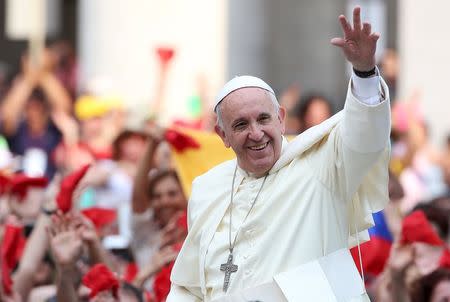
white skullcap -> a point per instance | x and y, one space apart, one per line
238 83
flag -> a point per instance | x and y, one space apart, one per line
10 252
194 161
374 253
67 187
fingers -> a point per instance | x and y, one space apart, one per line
56 223
168 254
375 36
367 28
346 28
62 222
357 19
339 42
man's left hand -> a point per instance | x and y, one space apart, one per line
359 43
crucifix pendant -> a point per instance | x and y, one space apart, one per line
228 268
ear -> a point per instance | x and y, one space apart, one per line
281 118
220 132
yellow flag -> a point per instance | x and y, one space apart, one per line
191 163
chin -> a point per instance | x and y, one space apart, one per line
261 169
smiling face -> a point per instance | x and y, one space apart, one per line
253 128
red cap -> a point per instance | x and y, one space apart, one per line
180 141
21 183
445 259
100 278
417 228
11 251
67 187
100 217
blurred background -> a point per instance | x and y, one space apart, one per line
100 99
114 44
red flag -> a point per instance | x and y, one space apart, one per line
417 228
180 141
165 54
11 251
100 278
100 217
67 187
21 183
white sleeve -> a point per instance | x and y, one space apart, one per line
181 294
367 90
354 146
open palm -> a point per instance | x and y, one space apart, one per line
359 42
65 241
66 247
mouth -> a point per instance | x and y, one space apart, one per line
259 147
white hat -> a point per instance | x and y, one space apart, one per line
238 83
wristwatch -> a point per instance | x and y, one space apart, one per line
365 74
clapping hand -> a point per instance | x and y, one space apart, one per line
359 42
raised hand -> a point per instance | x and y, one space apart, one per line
67 125
159 259
400 259
163 257
172 233
65 241
86 228
359 42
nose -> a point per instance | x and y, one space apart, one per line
256 133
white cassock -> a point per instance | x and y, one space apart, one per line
317 197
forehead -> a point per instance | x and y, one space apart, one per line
247 99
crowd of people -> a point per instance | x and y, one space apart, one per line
91 210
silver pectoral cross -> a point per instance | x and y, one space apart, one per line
228 268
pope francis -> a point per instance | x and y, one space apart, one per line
276 223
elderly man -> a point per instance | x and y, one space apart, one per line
276 223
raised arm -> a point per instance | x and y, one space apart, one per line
14 102
139 196
33 254
359 143
57 95
66 246
88 233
